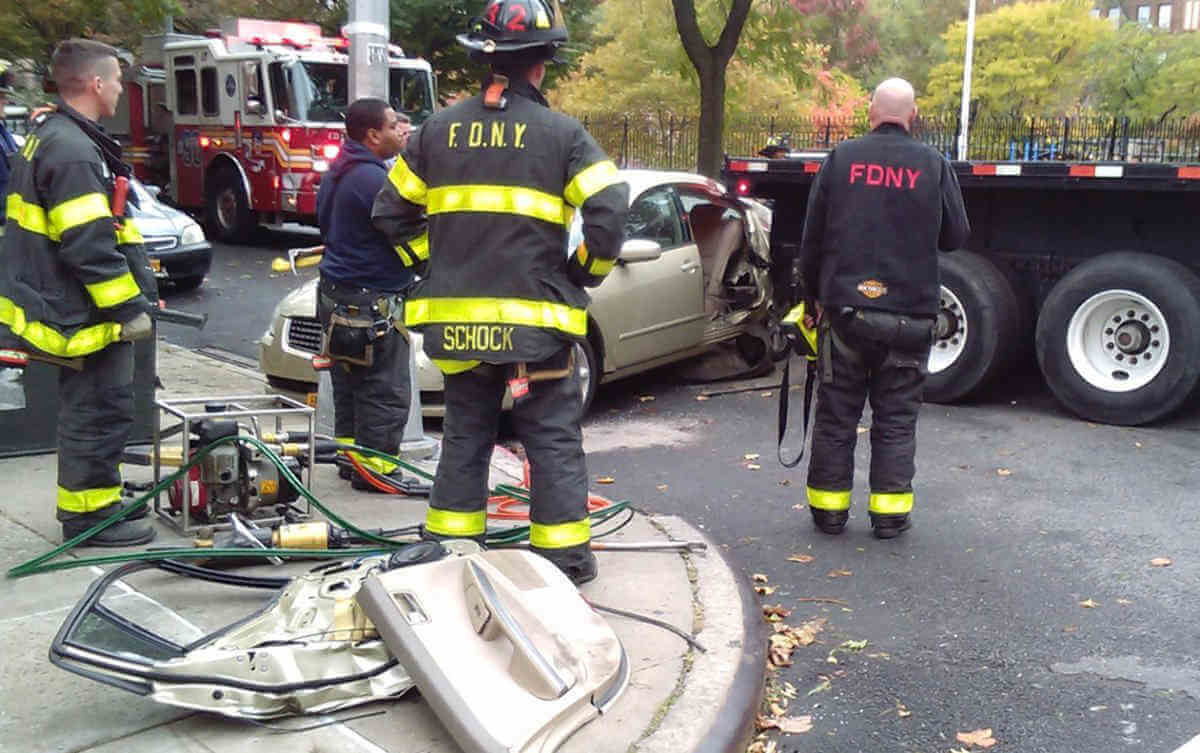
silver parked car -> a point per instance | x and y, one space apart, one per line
175 243
693 273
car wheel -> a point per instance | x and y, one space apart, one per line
1118 338
587 366
978 327
184 284
227 210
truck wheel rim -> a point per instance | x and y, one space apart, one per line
1118 341
950 334
227 208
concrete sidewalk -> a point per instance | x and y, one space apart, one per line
678 699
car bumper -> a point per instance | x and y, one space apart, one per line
193 260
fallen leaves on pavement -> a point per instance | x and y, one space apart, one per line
750 456
787 638
980 737
1089 604
759 578
606 480
821 687
1161 562
794 725
839 573
803 559
1003 472
646 398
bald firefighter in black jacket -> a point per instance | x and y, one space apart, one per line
879 211
497 179
75 285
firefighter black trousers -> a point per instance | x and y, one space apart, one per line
370 403
546 421
95 420
893 381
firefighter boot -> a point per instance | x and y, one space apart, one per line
889 526
576 562
832 522
830 509
124 533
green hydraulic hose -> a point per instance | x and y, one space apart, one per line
41 563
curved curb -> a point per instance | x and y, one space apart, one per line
734 726
721 689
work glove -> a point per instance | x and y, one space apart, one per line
139 327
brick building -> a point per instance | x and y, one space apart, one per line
1174 16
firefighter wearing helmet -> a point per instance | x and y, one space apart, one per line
485 193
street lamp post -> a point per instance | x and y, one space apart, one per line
965 114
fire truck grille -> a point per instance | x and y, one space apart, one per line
304 333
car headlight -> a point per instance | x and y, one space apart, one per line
192 233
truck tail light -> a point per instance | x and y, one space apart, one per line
743 187
330 151
738 165
204 142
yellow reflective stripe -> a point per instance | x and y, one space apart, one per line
127 232
591 181
582 254
379 465
526 202
454 523
826 500
601 267
31 145
560 535
49 340
406 182
78 211
451 366
27 215
897 503
113 292
422 311
88 500
419 247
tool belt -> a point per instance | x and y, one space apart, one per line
899 331
354 329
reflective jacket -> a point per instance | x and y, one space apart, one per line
69 274
878 212
495 181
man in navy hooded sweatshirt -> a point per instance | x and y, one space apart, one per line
363 278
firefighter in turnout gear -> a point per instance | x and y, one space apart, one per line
879 211
76 286
358 298
495 181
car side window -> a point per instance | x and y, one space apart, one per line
654 216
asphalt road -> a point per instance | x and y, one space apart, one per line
239 294
1023 600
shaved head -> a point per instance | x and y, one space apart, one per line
894 101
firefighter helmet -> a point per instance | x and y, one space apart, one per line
531 29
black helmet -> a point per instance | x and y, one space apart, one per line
510 29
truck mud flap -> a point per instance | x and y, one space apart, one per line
502 647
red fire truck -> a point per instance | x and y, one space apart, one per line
242 122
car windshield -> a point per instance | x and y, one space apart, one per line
318 92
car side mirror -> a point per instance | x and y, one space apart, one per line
637 250
255 107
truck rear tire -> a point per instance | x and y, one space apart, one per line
1118 338
978 329
227 209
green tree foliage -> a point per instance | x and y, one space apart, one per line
910 38
32 29
846 28
428 28
1145 73
1029 57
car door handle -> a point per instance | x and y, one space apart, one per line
689 266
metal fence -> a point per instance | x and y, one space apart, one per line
668 141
